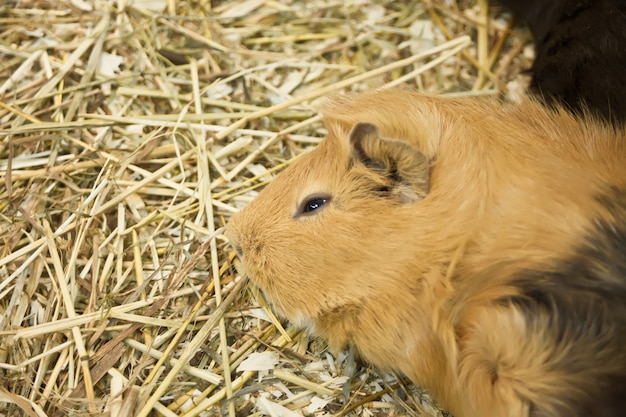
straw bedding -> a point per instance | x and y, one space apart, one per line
129 134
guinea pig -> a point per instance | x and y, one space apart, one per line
580 53
479 249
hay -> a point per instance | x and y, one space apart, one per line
129 133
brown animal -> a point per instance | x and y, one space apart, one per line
478 248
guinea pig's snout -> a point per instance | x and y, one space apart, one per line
235 241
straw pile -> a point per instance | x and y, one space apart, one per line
129 134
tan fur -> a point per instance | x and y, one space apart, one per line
414 285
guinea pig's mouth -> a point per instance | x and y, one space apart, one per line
234 243
239 262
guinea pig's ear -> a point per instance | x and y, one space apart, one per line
404 168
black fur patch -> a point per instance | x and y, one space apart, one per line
580 53
583 300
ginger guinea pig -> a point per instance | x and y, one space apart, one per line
478 248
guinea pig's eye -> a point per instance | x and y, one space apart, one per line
313 203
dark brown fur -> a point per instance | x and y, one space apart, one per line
477 248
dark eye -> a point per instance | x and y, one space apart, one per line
313 203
